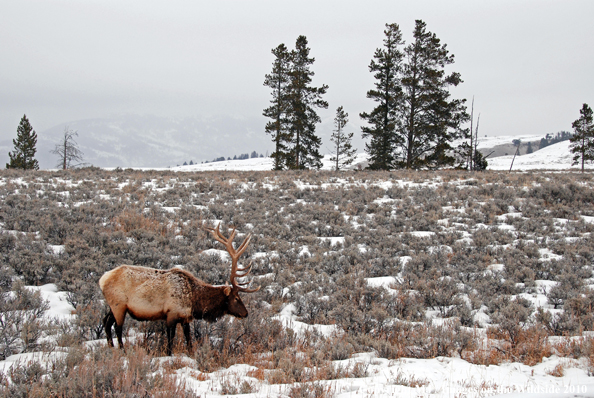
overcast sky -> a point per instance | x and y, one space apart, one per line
529 64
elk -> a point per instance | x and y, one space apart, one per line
173 295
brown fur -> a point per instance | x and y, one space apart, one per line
173 295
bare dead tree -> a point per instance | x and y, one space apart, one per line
517 144
471 154
67 150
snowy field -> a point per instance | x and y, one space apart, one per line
553 157
181 199
441 377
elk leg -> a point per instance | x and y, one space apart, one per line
186 327
108 321
118 330
170 336
119 317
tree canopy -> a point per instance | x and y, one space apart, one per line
582 142
23 156
415 122
293 108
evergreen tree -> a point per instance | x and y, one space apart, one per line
302 116
23 156
67 150
382 120
582 142
344 153
428 119
278 81
479 162
415 122
529 150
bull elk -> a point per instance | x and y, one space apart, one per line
173 295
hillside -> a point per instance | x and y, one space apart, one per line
553 157
156 142
159 143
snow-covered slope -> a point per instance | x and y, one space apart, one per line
258 164
553 157
439 377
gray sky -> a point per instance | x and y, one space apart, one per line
529 64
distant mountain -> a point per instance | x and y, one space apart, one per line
151 141
159 142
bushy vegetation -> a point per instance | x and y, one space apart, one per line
482 266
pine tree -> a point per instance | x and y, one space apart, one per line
382 120
23 156
428 119
344 153
278 81
67 150
302 116
582 142
529 150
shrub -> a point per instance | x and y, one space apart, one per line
21 323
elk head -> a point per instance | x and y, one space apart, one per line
235 305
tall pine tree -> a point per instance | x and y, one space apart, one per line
415 121
582 142
23 156
344 153
382 120
428 119
278 81
302 116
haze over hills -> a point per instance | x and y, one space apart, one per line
159 142
152 141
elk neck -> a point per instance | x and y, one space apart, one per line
209 302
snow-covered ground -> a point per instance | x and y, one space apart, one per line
553 157
255 164
490 142
439 377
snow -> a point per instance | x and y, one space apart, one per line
256 164
56 249
439 377
216 252
422 234
552 157
289 320
333 240
382 281
59 306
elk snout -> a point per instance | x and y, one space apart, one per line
237 308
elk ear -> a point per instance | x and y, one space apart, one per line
227 290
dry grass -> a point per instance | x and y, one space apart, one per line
557 371
130 220
411 381
94 213
97 373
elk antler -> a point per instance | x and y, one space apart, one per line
236 272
